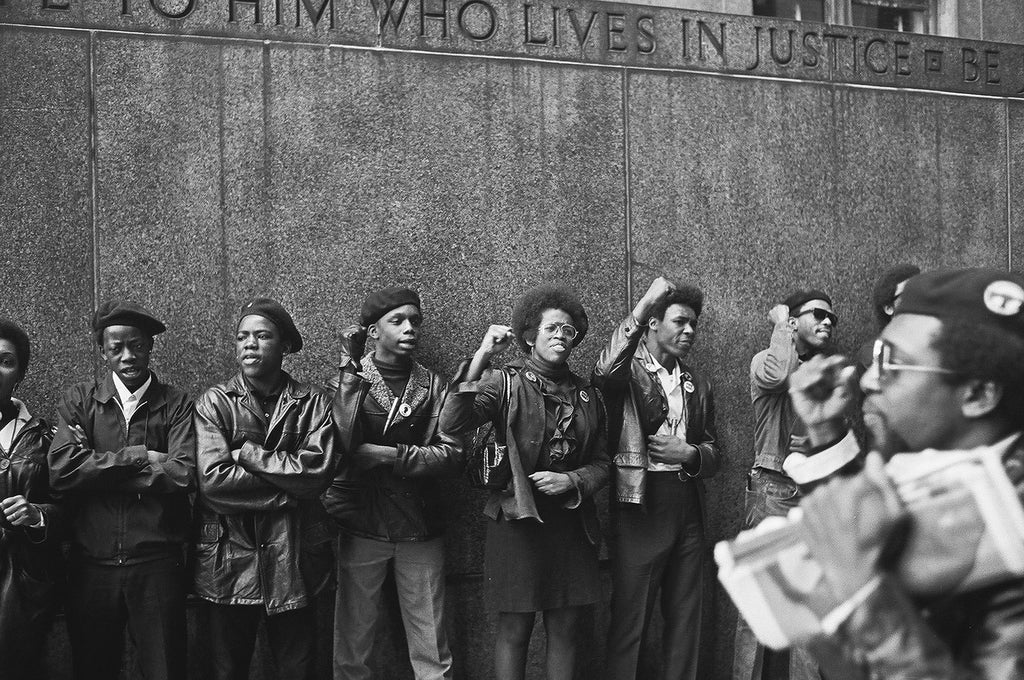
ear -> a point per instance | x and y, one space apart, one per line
792 323
652 323
980 398
889 310
373 331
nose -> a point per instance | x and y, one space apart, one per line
827 320
249 342
127 355
408 328
869 381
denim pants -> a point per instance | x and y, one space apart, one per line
769 494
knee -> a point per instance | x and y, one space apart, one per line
514 628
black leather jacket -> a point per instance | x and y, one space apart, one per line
474 403
263 535
637 407
30 564
122 507
401 502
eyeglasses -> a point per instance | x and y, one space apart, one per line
882 362
821 315
566 330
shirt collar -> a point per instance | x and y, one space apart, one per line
11 429
123 394
655 366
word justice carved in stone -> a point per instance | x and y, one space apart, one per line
594 32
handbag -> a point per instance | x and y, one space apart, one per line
488 464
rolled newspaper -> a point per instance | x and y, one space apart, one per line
966 532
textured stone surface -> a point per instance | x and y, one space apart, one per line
230 168
1015 185
752 189
169 159
47 275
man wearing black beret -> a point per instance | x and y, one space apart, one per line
265 454
385 498
947 374
803 326
123 458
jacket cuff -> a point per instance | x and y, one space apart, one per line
816 467
576 498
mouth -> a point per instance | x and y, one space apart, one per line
558 347
408 344
130 370
250 359
824 332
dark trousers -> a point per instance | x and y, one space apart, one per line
147 598
229 631
657 549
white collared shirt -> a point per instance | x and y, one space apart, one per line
672 383
11 429
130 401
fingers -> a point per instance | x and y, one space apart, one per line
18 511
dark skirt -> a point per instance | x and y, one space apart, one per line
531 567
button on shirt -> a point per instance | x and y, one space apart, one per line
130 401
671 382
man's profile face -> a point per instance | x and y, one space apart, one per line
913 410
126 350
814 324
259 349
676 331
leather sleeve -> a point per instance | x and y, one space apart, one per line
442 455
305 472
614 364
589 478
707 443
224 486
471 404
76 468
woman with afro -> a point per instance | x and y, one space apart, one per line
542 531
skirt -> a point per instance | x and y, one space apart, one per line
531 567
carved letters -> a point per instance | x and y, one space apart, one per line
595 32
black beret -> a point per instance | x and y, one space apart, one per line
383 301
993 297
117 313
801 297
274 312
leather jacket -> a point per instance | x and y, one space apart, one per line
637 407
30 562
978 635
400 502
123 507
474 403
263 534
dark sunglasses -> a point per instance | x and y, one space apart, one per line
821 315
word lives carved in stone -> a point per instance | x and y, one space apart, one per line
581 31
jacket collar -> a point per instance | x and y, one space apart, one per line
519 366
651 365
155 396
416 391
292 388
10 431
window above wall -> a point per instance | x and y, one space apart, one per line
917 16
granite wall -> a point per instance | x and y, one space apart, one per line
190 166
